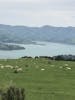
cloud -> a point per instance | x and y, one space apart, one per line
38 5
37 12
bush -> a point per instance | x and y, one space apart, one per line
13 93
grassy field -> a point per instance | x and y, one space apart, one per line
41 78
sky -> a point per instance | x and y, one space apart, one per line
37 12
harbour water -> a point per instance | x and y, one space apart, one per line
39 49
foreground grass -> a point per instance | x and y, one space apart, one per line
53 83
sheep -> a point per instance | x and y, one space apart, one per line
42 69
9 66
2 67
66 65
18 70
68 68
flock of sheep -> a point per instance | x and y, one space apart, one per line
65 66
16 68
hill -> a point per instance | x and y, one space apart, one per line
24 34
4 46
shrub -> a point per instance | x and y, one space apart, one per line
13 93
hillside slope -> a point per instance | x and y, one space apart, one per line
24 34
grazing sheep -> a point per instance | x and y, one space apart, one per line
66 65
68 68
2 67
19 69
9 66
42 69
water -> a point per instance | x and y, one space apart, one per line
42 49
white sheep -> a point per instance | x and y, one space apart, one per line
9 66
2 67
66 65
68 68
19 69
42 69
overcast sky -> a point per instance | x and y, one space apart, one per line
37 12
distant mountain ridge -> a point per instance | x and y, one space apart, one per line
24 34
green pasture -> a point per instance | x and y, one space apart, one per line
55 82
